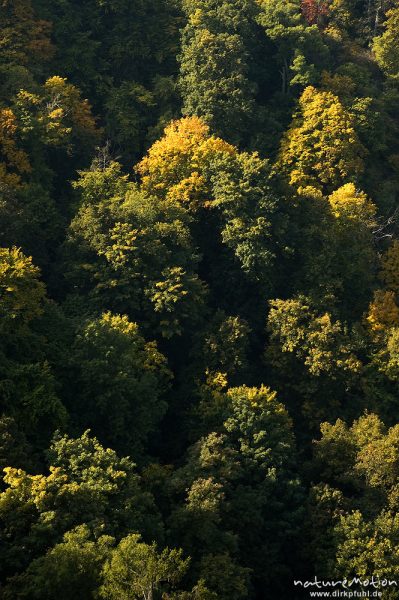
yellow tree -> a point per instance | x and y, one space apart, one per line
21 292
55 116
354 258
174 164
386 47
352 205
66 112
321 148
13 160
198 170
383 312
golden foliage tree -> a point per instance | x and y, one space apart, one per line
174 164
13 160
383 311
321 148
21 292
386 47
353 205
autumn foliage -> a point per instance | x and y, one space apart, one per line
199 298
315 11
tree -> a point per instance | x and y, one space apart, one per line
68 114
15 161
45 132
383 311
176 165
29 394
30 220
314 11
361 463
214 81
138 570
116 383
322 356
26 46
206 314
134 253
321 148
71 568
178 293
368 547
125 63
15 451
235 478
386 46
334 260
214 65
321 343
130 108
224 345
206 174
352 242
22 293
299 50
88 486
389 274
27 384
225 576
56 116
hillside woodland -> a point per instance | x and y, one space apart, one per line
199 297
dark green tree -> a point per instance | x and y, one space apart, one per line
116 383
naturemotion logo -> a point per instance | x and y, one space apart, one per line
357 587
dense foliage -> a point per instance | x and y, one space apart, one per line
199 297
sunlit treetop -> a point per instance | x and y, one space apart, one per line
14 162
386 47
21 292
174 164
383 312
321 148
349 203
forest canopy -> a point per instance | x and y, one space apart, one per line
199 297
